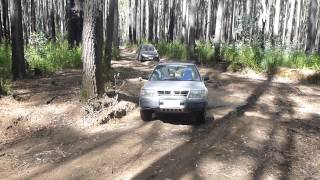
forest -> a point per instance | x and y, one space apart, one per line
70 81
47 35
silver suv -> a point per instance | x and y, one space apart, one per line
174 88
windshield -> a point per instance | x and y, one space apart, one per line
175 73
147 48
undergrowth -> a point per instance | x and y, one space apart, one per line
5 68
51 56
241 56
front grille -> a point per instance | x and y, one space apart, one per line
173 93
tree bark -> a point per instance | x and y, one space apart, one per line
116 42
312 29
110 23
92 85
231 33
135 22
33 16
75 22
218 30
1 37
130 22
290 22
18 62
5 20
184 23
151 20
172 21
298 13
52 24
192 30
276 21
208 21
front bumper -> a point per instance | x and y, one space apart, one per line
186 105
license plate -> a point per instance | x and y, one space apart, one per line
167 104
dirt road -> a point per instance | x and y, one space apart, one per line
258 128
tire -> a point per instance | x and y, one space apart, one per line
146 115
201 117
141 58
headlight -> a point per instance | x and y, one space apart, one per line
197 94
148 93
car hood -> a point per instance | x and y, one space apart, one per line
174 85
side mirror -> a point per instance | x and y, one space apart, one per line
206 78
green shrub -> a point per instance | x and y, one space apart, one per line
204 52
5 68
241 56
176 50
50 57
115 53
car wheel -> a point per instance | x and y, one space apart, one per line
146 115
201 117
141 59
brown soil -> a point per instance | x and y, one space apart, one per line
258 128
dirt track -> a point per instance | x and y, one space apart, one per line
258 128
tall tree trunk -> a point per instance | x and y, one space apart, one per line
208 21
172 21
218 30
5 19
290 22
52 23
75 22
184 24
143 23
33 16
151 20
165 8
110 23
276 21
130 22
116 26
135 20
92 85
297 28
1 37
231 33
312 29
192 28
18 62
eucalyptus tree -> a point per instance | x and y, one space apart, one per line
219 29
18 61
75 21
192 28
110 30
92 85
